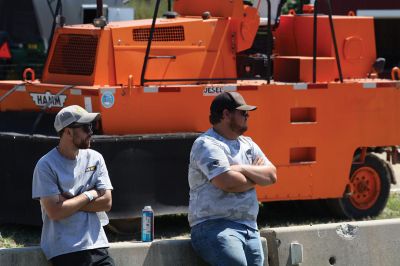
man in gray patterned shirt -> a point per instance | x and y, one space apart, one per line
224 169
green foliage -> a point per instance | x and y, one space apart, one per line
14 236
293 4
392 209
145 8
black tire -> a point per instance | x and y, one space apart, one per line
365 199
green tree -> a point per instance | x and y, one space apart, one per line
293 4
145 8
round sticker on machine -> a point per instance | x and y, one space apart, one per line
107 100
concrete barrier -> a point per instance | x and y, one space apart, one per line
368 243
22 256
175 252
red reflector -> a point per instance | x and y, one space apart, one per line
90 92
5 51
317 86
247 88
169 89
386 84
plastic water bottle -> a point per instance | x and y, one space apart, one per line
147 224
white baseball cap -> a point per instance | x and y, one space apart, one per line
73 114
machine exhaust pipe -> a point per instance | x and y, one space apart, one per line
99 8
100 21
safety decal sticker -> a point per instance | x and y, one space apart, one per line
42 99
107 99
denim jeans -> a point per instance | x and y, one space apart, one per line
223 242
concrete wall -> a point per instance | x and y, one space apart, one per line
367 243
160 253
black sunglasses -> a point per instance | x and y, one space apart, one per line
244 113
87 128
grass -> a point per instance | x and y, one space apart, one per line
175 226
13 236
392 209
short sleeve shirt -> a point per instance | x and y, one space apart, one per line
54 174
212 155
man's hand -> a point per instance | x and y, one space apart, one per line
95 193
102 201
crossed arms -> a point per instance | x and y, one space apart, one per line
241 178
59 207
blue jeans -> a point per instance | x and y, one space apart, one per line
223 242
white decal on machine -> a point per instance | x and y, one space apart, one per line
41 99
215 90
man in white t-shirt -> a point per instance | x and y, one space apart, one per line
224 169
72 183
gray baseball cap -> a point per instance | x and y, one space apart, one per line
73 114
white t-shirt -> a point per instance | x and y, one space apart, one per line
55 174
212 155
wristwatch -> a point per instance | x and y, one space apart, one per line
89 195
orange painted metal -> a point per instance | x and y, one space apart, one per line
246 28
103 61
299 69
346 116
355 38
309 131
191 48
202 52
395 73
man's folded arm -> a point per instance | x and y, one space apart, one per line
261 175
59 207
232 181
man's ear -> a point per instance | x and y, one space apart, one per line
68 131
226 113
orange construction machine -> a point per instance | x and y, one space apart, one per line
323 108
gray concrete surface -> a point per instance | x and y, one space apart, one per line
368 243
31 256
173 252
